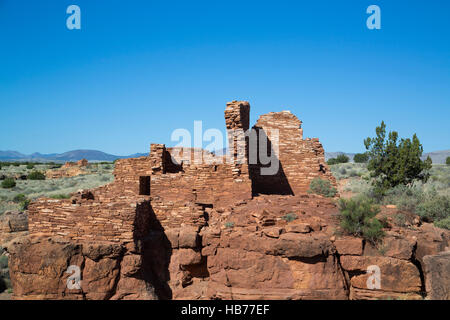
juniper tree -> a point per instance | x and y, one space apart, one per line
395 162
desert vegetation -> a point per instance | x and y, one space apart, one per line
358 218
394 174
322 187
23 182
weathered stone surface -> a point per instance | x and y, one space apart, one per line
39 270
100 278
349 246
188 237
273 277
431 241
96 251
396 275
366 294
298 228
394 247
38 266
188 257
129 288
437 276
293 245
13 221
131 264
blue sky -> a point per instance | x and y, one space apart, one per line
137 70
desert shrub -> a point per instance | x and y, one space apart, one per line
36 175
342 158
60 196
358 218
404 197
19 198
400 219
394 162
361 158
104 178
229 225
8 183
353 173
444 223
322 187
24 204
434 208
30 166
447 161
3 262
16 164
289 217
332 161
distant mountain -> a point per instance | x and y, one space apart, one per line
75 155
438 157
11 155
329 155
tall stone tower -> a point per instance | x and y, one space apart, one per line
237 120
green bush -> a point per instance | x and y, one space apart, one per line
434 208
36 175
3 262
444 223
322 187
342 158
358 218
19 198
8 183
400 219
24 204
447 161
332 161
404 197
289 217
30 166
395 162
361 157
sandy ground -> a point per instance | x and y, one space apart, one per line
341 188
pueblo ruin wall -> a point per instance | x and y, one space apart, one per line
165 189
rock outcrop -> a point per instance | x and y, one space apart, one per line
69 169
170 227
437 276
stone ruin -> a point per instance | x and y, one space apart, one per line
69 169
169 227
182 192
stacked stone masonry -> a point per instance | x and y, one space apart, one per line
177 189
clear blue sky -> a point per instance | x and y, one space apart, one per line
137 70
